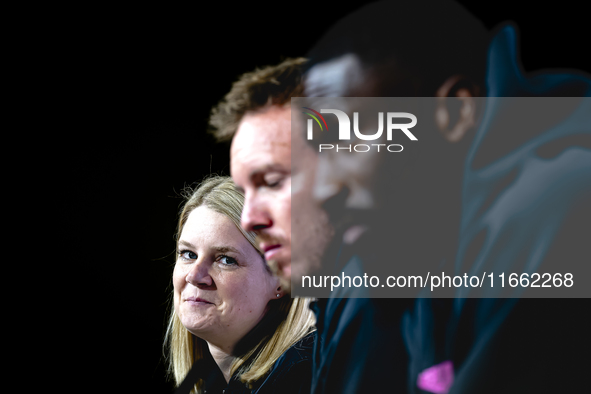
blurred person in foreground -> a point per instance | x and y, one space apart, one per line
233 328
495 184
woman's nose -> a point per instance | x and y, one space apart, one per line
199 275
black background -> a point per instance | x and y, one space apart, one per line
140 85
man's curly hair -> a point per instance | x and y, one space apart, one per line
271 85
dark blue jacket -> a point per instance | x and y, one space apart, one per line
360 347
290 374
526 207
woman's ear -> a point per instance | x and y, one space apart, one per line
456 88
276 289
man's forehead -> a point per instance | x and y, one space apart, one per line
264 129
263 139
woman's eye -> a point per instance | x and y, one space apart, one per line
188 255
225 260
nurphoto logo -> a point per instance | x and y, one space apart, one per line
392 125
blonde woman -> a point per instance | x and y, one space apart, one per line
231 319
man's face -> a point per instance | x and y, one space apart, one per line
277 188
344 181
350 186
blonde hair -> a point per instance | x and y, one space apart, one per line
295 318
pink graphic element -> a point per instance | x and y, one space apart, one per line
437 379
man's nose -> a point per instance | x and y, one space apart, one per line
255 215
199 275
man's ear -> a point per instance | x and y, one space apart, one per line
453 89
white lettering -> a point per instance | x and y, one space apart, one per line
371 137
389 150
404 127
344 123
356 150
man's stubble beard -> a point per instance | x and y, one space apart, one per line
310 265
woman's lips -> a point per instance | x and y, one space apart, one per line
197 301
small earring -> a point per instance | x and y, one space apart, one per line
277 295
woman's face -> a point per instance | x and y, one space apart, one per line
221 284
